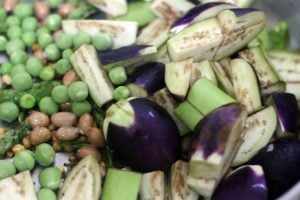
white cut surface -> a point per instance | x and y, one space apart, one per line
111 7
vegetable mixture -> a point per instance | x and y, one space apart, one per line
151 100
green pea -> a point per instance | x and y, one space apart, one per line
47 74
30 24
121 92
42 30
74 2
3 42
67 53
22 81
18 57
13 45
45 39
76 14
24 160
27 101
81 38
23 10
6 68
81 107
63 66
50 178
3 15
34 66
65 41
60 94
54 3
7 169
14 32
19 68
53 22
46 194
29 38
48 105
103 42
9 112
118 75
13 20
78 91
44 154
52 52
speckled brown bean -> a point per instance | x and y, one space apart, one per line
69 77
41 10
9 5
39 135
67 133
65 9
38 119
85 151
61 119
95 137
85 122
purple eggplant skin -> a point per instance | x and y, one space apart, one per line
243 11
209 138
196 2
244 183
120 54
151 143
150 77
280 161
287 111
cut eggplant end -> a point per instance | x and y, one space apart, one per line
239 3
245 85
111 7
217 139
177 77
199 41
259 129
205 187
246 182
178 186
287 111
152 186
130 56
123 33
88 68
202 69
199 13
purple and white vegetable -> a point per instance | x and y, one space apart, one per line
280 161
244 183
153 186
142 135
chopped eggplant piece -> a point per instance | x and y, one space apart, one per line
79 180
280 161
226 65
155 34
150 77
130 56
287 111
268 79
178 186
163 55
293 88
153 186
121 184
177 77
259 129
239 26
88 68
223 78
239 3
245 85
217 139
171 9
111 7
199 13
141 135
165 99
198 41
202 69
123 33
244 183
205 187
17 187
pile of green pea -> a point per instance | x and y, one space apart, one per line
22 34
50 178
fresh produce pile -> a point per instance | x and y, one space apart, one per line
162 99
